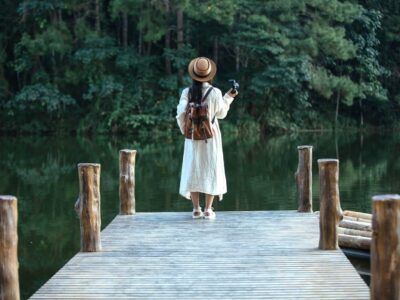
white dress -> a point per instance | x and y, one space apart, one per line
203 163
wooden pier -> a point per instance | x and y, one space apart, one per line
240 255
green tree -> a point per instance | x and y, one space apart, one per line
118 66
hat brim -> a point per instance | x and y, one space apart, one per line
202 79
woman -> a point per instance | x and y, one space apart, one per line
203 168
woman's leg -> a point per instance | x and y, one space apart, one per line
208 212
209 201
195 200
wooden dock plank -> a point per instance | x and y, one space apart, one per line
240 255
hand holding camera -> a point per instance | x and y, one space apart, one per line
233 91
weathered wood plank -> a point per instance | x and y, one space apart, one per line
245 255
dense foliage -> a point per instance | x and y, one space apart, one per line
119 65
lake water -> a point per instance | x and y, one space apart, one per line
42 173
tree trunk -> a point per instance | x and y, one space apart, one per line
118 30
140 41
303 177
89 207
74 17
168 68
385 248
216 50
237 58
148 51
179 39
9 281
127 182
25 14
361 114
60 19
330 210
125 29
54 17
337 108
336 144
97 11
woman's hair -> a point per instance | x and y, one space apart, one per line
195 91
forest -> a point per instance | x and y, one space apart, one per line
118 66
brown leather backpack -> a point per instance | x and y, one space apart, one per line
197 122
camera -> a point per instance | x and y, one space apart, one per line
234 85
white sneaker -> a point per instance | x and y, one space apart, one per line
209 214
197 213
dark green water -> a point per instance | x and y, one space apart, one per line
42 173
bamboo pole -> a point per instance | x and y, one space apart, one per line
88 206
355 242
127 182
356 214
350 218
385 248
9 281
355 225
330 211
303 178
354 232
356 219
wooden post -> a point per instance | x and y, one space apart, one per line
385 248
127 182
9 282
88 206
303 178
330 211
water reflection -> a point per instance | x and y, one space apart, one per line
42 173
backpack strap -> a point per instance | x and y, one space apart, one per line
202 100
207 93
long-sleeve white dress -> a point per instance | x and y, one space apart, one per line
203 163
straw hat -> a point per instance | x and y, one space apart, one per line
202 69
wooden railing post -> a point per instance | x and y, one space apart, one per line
9 282
330 210
127 182
385 248
303 178
88 206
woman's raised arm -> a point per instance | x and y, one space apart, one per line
223 103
